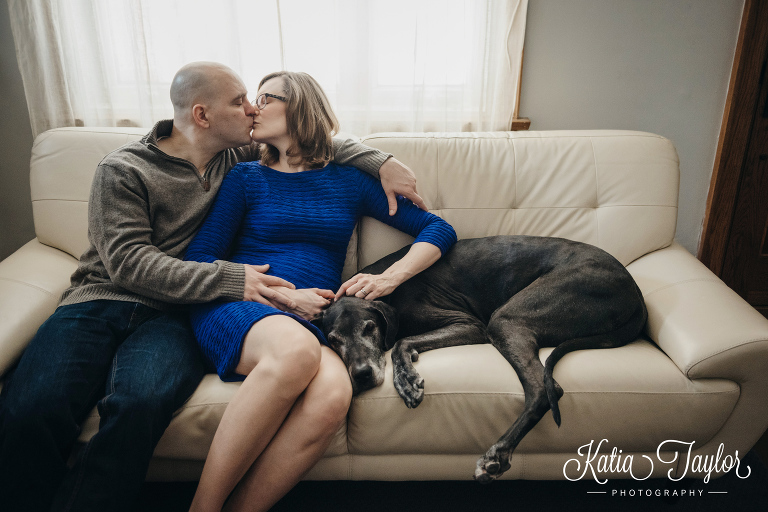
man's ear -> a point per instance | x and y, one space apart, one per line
389 315
200 115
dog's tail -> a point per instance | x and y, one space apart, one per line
617 338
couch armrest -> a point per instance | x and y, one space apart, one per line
709 332
702 325
31 282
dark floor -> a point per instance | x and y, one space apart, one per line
726 493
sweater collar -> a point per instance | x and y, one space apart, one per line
161 129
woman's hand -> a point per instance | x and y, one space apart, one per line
369 286
372 286
309 303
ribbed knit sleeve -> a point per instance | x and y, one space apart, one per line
424 226
350 152
214 240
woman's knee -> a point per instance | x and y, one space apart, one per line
290 354
299 352
296 353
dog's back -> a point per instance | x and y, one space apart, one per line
478 275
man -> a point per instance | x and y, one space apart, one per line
118 339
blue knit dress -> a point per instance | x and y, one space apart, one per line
298 223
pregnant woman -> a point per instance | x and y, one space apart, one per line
295 212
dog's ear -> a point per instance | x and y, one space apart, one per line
390 320
327 316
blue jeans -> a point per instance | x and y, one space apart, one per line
137 364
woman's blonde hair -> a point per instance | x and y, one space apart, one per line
310 120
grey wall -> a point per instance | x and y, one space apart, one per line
16 226
659 66
654 65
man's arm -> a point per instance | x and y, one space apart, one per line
396 178
120 229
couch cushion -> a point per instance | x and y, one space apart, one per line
32 280
614 189
634 396
191 431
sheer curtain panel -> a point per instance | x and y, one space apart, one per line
387 65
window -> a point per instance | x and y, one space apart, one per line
386 65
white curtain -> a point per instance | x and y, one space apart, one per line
387 65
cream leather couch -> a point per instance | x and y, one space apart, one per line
699 374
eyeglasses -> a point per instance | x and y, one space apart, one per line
261 101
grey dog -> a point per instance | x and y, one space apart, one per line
519 293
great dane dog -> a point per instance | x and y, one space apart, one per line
520 293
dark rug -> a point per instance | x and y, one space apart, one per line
728 493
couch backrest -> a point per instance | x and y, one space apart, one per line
617 190
63 163
614 189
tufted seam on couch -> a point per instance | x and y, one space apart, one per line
695 280
99 131
207 404
565 207
513 393
635 206
515 136
700 393
524 466
27 285
514 171
437 176
60 200
95 414
597 192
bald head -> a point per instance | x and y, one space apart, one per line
198 82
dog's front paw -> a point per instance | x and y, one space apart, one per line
410 386
492 465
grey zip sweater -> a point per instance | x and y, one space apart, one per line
144 209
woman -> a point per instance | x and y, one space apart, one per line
296 212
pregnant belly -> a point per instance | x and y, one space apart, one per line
304 268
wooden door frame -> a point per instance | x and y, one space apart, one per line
735 132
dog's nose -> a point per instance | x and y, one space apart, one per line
362 373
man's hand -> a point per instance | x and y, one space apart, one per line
257 287
398 179
309 302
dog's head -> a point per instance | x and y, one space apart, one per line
360 331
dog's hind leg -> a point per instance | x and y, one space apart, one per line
518 345
408 383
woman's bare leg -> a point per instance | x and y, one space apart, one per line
301 441
280 358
